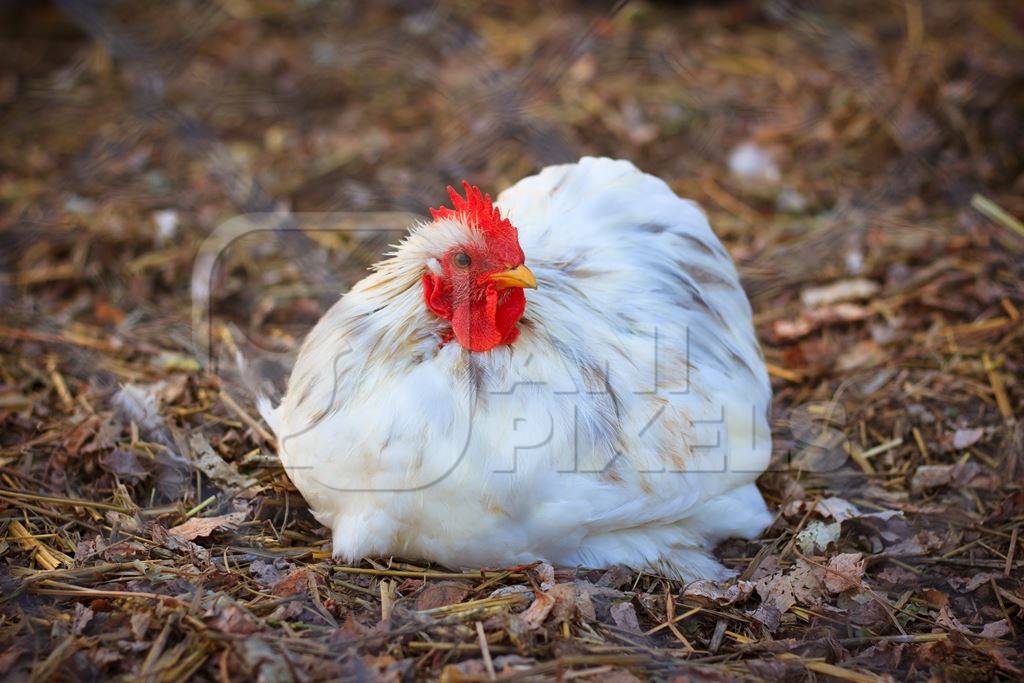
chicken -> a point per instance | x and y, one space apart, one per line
614 415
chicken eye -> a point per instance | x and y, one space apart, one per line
461 259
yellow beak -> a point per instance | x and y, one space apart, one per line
517 277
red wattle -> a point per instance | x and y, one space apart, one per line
473 323
491 321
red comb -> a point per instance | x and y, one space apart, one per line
481 214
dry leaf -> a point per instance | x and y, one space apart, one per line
921 543
624 616
818 536
811 319
269 573
538 611
780 591
204 526
965 438
83 615
935 598
545 574
946 619
140 624
515 589
995 629
565 602
931 476
442 593
863 354
714 592
295 583
843 290
844 572
835 508
215 467
233 619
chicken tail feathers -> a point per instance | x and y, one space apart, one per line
268 412
257 389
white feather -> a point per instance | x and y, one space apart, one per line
625 425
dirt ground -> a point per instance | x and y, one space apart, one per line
861 161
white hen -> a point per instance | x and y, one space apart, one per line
616 415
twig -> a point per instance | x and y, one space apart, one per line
485 651
1011 551
996 213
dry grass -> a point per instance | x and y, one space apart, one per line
885 264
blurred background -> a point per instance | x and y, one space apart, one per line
131 130
861 161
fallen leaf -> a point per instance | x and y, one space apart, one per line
616 577
515 589
565 602
714 592
981 579
935 598
811 319
441 594
123 521
263 661
842 290
782 590
545 574
818 536
863 354
585 605
140 403
895 577
83 615
215 467
965 438
140 624
844 572
269 573
837 508
294 583
995 629
95 433
863 609
538 611
622 676
769 614
931 476
785 330
624 616
204 526
921 543
178 544
233 619
946 619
